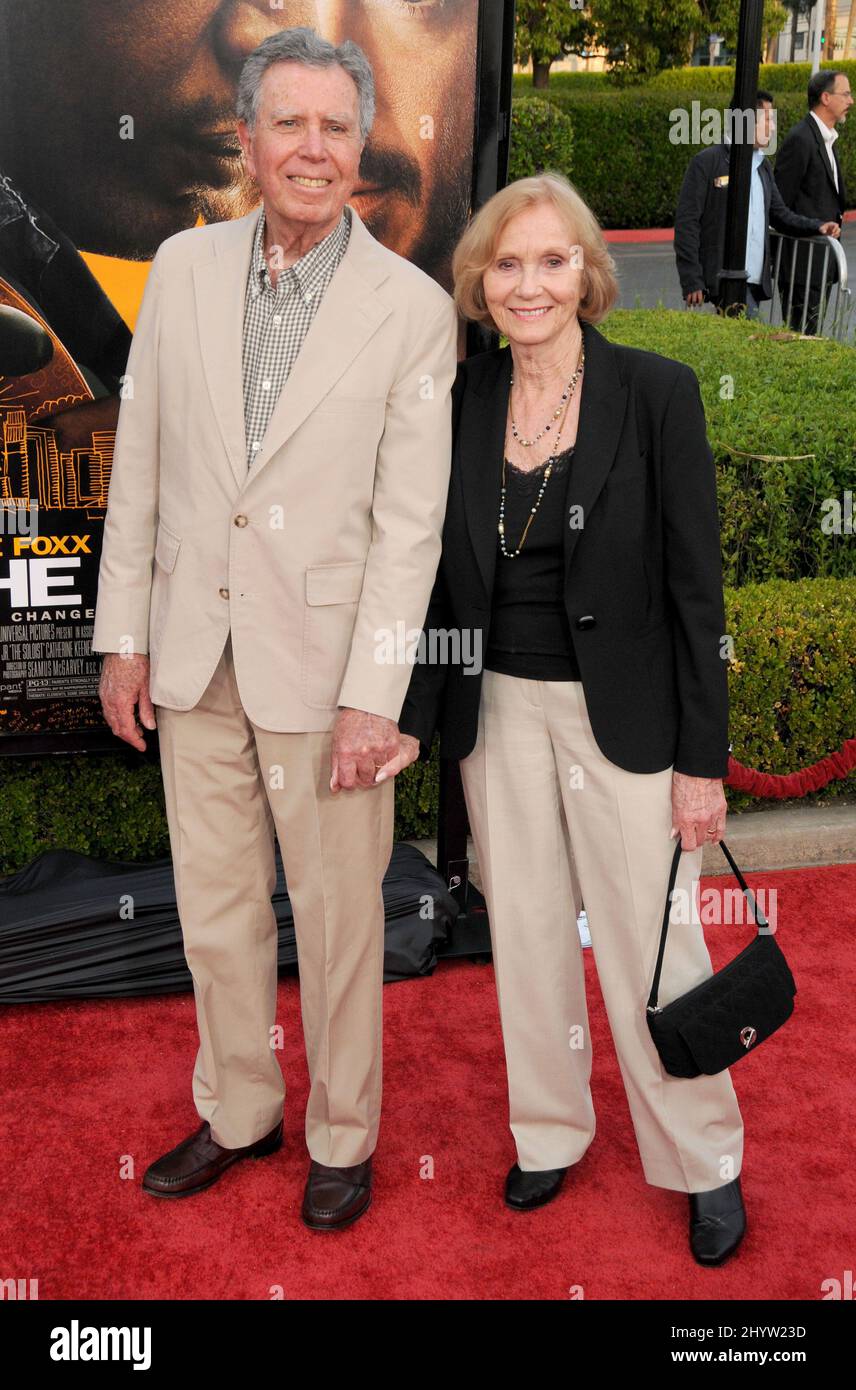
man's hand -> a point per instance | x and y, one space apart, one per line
830 229
124 684
407 753
695 297
362 743
698 809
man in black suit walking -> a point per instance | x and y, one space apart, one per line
810 180
700 218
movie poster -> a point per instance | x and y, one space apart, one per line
117 129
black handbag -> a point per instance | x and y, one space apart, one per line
725 1017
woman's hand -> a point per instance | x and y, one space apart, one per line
698 810
407 753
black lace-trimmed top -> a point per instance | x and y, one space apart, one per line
530 635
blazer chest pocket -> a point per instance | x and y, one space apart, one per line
332 597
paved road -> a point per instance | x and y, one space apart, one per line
647 274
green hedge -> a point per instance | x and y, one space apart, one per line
522 84
624 163
772 77
542 137
107 805
792 683
791 397
112 806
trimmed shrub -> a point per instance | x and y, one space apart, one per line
780 414
772 77
792 682
522 84
542 137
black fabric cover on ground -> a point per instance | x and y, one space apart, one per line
66 931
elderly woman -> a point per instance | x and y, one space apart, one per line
581 557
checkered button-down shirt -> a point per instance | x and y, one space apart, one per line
276 321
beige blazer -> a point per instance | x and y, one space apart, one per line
327 547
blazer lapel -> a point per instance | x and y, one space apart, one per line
347 317
842 194
349 313
481 439
219 285
602 410
821 145
766 175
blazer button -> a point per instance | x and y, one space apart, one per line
586 621
240 520
224 593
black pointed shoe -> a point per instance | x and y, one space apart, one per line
335 1197
717 1223
199 1160
523 1191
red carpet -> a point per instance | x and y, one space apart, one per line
90 1087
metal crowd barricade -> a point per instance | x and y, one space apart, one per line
835 312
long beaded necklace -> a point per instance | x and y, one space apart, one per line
512 555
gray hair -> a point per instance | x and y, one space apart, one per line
822 81
303 45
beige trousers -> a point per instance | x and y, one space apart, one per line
555 823
230 786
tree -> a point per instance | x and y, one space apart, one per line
548 30
640 37
797 8
643 36
723 17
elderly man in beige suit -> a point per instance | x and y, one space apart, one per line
276 506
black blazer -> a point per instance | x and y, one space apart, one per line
643 575
804 179
700 222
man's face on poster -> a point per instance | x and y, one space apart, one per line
76 69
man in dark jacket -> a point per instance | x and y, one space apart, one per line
811 181
700 219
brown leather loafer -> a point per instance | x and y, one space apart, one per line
335 1197
199 1160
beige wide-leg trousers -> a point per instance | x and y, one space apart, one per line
555 822
230 786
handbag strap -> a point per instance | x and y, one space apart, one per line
759 918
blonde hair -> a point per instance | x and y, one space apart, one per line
477 247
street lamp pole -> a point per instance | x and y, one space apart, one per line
819 23
742 133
